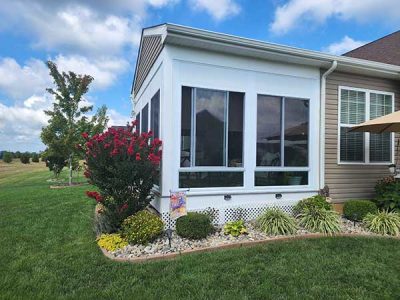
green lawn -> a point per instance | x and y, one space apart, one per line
47 250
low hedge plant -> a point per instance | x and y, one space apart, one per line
142 228
356 210
194 226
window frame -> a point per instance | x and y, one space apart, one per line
225 168
366 134
282 167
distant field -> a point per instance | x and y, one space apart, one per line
17 170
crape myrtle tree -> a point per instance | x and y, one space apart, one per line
68 119
123 165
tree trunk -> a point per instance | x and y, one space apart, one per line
70 170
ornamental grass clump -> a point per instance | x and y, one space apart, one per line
320 220
383 222
276 222
142 228
112 242
123 165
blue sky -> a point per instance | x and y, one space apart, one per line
101 38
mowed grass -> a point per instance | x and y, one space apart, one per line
48 251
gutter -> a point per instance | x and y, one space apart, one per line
174 32
322 125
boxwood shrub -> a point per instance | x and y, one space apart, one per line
356 210
194 226
142 228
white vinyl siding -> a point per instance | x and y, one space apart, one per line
358 106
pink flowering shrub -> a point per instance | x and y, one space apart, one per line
123 165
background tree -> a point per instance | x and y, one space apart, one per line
35 157
68 119
25 158
7 157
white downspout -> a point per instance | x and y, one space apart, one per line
322 125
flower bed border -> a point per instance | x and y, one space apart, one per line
174 255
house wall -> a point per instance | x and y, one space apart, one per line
189 67
350 181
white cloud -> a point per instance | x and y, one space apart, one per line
20 128
104 70
218 9
117 119
22 81
91 27
300 12
343 46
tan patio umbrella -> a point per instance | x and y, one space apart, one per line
387 123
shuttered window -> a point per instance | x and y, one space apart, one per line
357 106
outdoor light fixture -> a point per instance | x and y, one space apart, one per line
355 217
168 232
392 169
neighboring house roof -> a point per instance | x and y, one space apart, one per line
154 38
385 50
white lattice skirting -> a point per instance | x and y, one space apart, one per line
232 213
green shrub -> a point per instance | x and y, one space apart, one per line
235 228
320 220
112 242
7 157
142 228
194 226
35 158
383 222
25 159
316 201
356 210
275 222
388 194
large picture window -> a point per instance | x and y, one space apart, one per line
357 106
282 141
211 136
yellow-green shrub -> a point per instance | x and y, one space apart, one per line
142 228
111 242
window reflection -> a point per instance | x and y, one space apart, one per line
269 110
296 132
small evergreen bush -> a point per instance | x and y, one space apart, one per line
7 157
383 222
111 242
194 226
356 210
25 159
316 201
275 222
320 220
142 228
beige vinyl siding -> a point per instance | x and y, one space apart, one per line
149 51
350 181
